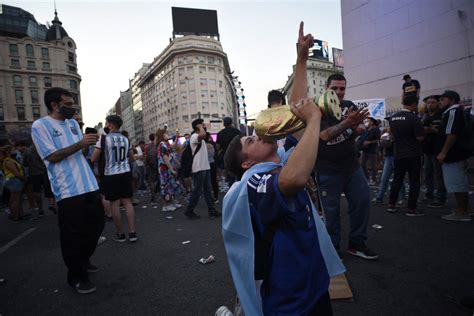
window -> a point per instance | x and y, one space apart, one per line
189 59
203 82
213 93
15 63
212 82
73 84
191 83
2 116
31 64
210 60
36 113
71 68
33 81
34 97
46 65
70 44
17 80
202 70
180 60
212 69
220 83
19 96
48 82
44 53
20 112
30 52
192 95
204 94
71 57
183 95
14 49
180 71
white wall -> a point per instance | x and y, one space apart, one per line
385 39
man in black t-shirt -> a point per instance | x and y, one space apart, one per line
408 133
224 137
453 151
411 88
338 171
369 149
435 189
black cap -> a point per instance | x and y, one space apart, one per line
407 76
452 95
434 96
374 120
227 121
115 119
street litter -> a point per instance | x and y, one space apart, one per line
155 206
179 229
186 242
376 226
144 206
56 291
169 217
207 260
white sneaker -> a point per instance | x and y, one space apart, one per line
456 217
168 208
101 240
177 205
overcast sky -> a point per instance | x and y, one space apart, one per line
115 37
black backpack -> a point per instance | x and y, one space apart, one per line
187 158
468 132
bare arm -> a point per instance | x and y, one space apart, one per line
60 154
295 173
300 84
12 167
354 118
95 155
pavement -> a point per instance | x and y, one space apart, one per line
426 264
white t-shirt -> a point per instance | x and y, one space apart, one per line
115 153
201 160
139 163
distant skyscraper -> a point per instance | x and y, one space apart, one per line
33 58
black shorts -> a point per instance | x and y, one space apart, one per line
41 182
118 186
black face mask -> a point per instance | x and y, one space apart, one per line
67 112
106 130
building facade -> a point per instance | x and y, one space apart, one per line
318 72
188 80
127 112
433 41
137 105
33 58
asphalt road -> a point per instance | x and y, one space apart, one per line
425 265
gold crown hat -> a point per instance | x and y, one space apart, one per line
279 122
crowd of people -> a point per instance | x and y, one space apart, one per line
283 244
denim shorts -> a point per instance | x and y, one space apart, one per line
455 176
14 185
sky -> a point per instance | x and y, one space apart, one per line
114 38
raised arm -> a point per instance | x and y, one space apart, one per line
300 84
295 173
353 119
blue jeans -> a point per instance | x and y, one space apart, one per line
201 181
356 189
386 175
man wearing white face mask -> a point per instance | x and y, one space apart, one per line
59 142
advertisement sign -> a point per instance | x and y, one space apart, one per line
376 107
338 56
319 50
194 21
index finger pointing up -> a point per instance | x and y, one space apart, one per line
301 32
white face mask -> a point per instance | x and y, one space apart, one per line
366 124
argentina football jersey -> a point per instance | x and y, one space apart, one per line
71 176
116 148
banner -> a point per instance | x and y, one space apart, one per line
319 50
338 57
376 107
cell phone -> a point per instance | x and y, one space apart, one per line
170 141
91 130
181 140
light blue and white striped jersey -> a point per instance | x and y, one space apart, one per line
115 151
71 176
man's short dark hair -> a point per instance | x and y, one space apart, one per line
276 96
434 96
227 121
142 142
233 157
196 122
55 95
151 137
410 100
453 95
114 119
407 76
337 77
124 133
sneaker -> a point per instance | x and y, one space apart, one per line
436 204
215 214
216 201
391 209
109 218
414 213
177 205
400 203
427 200
135 202
83 287
361 251
168 208
192 215
101 240
119 238
92 268
457 217
376 201
132 237
153 204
